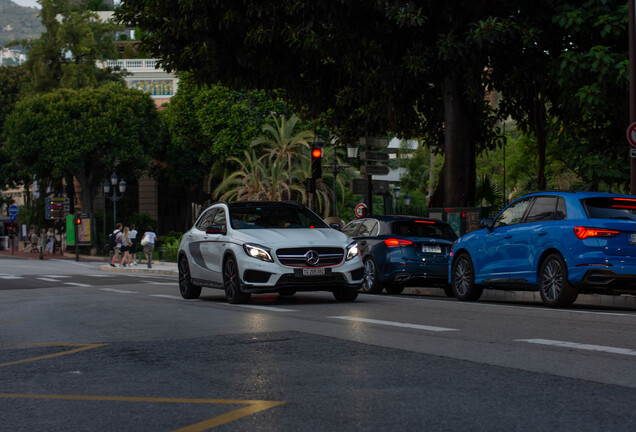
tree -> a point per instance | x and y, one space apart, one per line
372 66
65 54
83 133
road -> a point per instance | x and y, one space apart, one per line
82 349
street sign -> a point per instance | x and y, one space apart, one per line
13 217
56 207
374 156
359 186
631 134
632 152
374 170
374 142
361 210
13 210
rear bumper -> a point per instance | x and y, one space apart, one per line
606 281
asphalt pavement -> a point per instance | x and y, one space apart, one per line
170 268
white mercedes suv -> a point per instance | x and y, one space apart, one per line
256 247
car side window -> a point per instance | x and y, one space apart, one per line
219 218
205 220
543 209
513 213
560 213
350 228
369 226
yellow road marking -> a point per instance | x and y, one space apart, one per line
82 347
254 406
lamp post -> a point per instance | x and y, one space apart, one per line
407 201
396 195
335 168
114 198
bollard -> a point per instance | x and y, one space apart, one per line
149 259
139 255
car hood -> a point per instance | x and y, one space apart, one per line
272 237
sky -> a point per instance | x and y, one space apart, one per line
30 3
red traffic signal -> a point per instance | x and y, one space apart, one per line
316 152
77 220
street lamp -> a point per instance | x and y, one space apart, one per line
335 168
396 195
114 198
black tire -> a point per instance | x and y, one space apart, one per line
232 283
448 290
370 282
394 289
186 287
345 294
554 287
463 279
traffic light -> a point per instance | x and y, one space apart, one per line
77 220
316 162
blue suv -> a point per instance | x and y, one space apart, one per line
559 243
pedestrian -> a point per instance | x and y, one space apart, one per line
133 240
148 242
117 247
125 247
50 241
35 240
42 242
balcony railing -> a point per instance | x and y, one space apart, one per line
132 65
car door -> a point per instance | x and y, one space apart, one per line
213 247
366 235
196 238
537 233
502 254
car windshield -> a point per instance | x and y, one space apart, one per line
254 216
423 229
610 208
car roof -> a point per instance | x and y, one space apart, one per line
264 204
400 218
578 194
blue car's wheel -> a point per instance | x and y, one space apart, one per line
554 287
463 279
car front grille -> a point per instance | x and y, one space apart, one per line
297 257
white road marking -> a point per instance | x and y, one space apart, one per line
58 276
394 324
47 279
563 344
160 283
118 291
167 296
10 277
267 308
77 284
101 275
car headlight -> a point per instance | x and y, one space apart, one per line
258 252
352 251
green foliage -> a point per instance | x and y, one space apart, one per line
141 221
83 133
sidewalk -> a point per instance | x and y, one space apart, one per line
158 267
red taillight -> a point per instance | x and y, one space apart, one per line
585 232
430 222
392 242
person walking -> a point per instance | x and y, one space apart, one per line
50 241
133 243
117 247
125 247
42 243
148 242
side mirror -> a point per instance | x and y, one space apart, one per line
215 229
487 223
335 226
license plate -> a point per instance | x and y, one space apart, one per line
432 249
632 239
320 271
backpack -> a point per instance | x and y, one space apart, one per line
112 240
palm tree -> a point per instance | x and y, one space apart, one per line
281 142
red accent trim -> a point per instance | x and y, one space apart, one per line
431 222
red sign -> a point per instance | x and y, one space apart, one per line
631 134
361 210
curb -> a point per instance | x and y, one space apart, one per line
141 269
